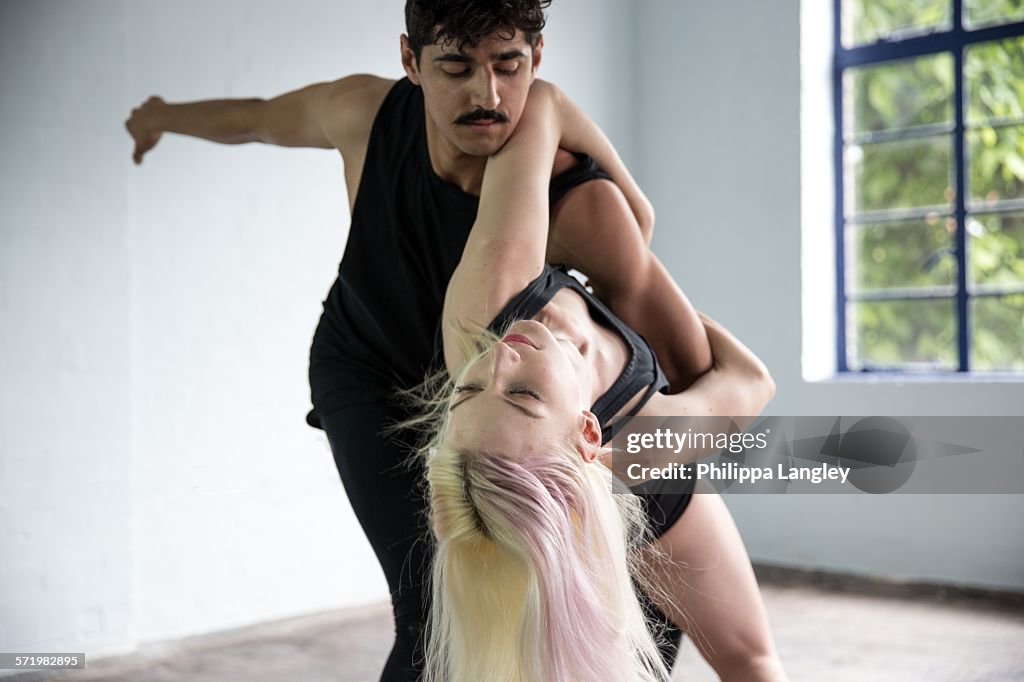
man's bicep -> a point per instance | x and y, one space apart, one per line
662 313
291 119
333 115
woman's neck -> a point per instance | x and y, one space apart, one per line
604 352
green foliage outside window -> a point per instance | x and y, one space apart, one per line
900 192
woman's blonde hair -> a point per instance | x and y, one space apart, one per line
532 568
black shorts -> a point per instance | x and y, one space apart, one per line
663 509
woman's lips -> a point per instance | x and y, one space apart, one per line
519 338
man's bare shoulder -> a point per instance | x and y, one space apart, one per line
350 105
361 86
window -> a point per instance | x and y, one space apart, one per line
929 99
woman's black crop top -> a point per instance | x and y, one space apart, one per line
642 372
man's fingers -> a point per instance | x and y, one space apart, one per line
140 148
142 145
137 151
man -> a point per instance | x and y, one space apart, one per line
414 154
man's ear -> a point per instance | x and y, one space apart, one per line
589 445
537 50
409 61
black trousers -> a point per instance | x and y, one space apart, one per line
385 486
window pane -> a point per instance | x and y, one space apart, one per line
978 13
996 160
997 333
867 21
904 174
996 249
911 335
898 95
909 253
994 78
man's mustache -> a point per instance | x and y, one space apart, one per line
482 115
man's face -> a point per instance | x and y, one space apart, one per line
474 97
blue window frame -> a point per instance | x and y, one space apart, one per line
911 296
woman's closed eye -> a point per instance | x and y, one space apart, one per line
524 390
512 390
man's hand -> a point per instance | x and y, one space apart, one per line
142 127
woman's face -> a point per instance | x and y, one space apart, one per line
526 393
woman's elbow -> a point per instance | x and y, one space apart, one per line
752 389
645 219
764 387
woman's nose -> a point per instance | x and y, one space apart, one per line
503 359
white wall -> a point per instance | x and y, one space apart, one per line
156 476
719 142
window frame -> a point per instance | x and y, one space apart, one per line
954 42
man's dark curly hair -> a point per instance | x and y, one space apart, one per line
466 22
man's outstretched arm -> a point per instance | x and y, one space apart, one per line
335 115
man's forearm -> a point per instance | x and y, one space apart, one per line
657 308
594 230
227 121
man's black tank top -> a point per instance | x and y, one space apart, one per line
408 230
641 373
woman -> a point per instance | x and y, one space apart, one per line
534 555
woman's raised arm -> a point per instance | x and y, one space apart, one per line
506 247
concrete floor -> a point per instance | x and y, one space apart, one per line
824 633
